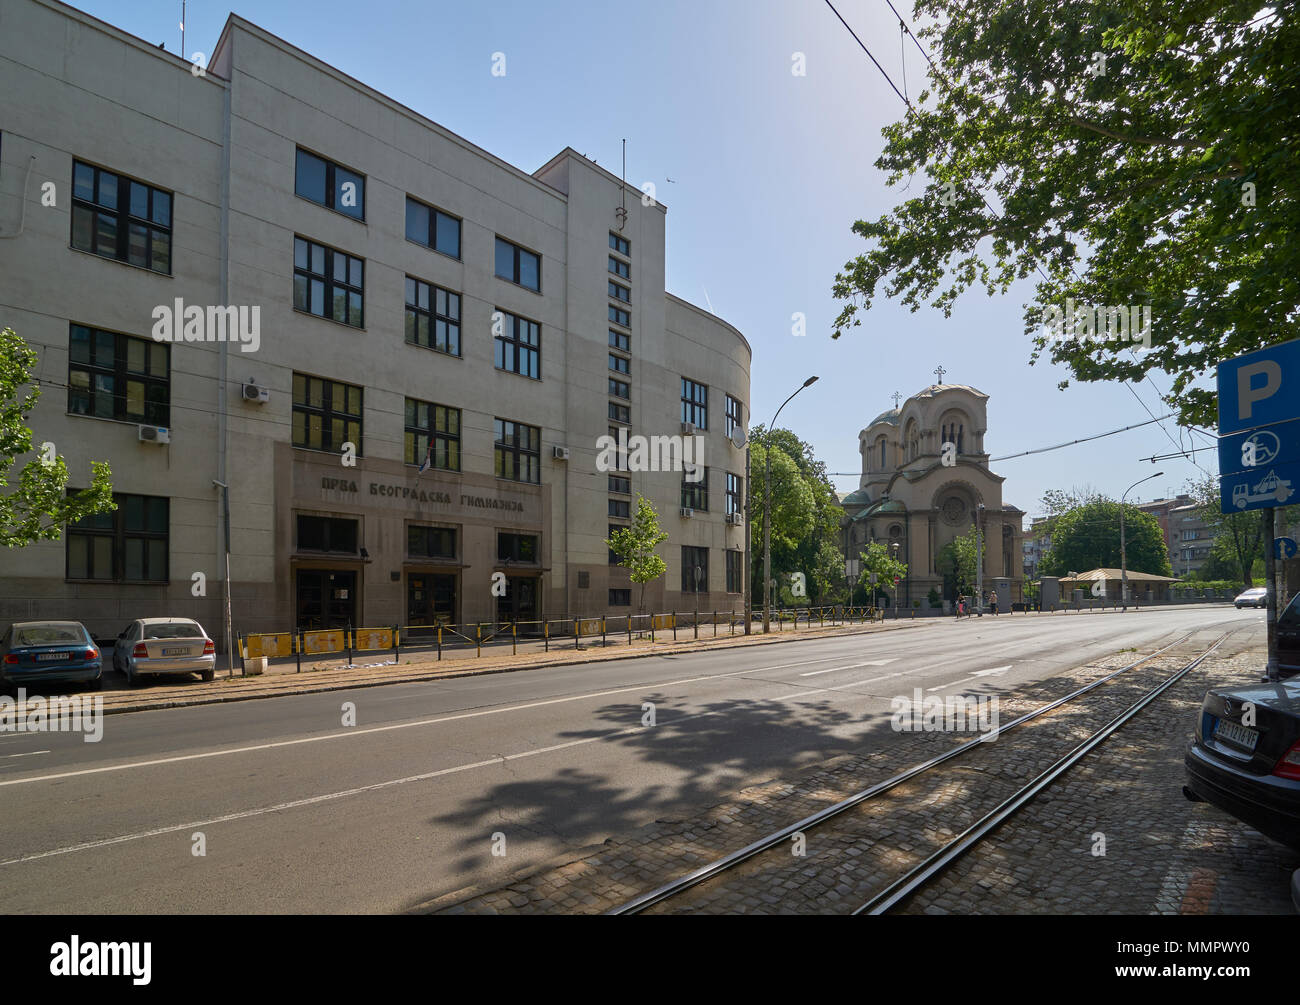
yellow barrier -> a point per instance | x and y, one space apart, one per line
331 641
662 620
278 644
589 626
372 638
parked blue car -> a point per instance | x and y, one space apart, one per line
36 653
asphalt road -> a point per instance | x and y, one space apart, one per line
300 813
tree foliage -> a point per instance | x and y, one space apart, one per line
1087 537
958 560
878 559
1135 153
635 546
38 507
1239 538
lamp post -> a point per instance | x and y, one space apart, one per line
893 553
767 510
1123 551
979 559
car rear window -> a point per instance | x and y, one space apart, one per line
1290 618
48 635
173 630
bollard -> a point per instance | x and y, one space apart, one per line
733 621
514 639
546 636
576 625
297 648
478 639
715 624
347 641
396 659
629 629
440 642
602 631
240 643
674 626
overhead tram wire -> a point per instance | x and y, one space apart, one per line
915 41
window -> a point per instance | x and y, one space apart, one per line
430 542
692 559
620 388
620 598
620 508
620 484
432 316
332 185
735 415
432 435
620 454
620 363
128 545
327 533
519 346
695 403
619 340
584 580
114 376
735 572
619 244
518 451
432 227
620 292
326 414
735 493
327 283
620 268
695 495
121 218
518 265
620 413
517 548
620 317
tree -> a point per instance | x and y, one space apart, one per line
1137 153
39 507
958 559
793 514
1087 537
635 546
817 552
877 559
1239 539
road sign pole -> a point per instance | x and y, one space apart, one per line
1270 584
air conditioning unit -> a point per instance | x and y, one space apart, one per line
259 394
734 518
560 453
155 434
688 428
686 512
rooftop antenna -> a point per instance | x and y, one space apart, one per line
182 29
621 212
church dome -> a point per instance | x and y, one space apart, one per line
934 389
890 416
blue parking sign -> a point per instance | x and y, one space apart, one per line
1260 449
1259 388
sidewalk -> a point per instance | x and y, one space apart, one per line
375 669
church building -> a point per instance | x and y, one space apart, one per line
925 481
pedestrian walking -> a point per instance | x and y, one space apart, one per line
993 602
961 607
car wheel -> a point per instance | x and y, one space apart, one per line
207 675
98 683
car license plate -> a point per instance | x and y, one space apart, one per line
176 652
1242 736
45 657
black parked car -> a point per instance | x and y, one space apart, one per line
1245 757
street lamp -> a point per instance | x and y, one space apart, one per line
893 553
767 521
1123 553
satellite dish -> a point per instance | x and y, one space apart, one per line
738 436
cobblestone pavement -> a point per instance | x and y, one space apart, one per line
1163 854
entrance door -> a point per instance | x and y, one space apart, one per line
520 601
430 598
327 598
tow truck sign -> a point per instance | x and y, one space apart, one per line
1259 445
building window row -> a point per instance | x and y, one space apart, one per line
116 376
126 545
327 282
121 218
695 403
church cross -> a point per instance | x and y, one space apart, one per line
939 372
895 396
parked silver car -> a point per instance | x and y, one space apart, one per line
164 646
1255 597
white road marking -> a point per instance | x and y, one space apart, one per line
852 666
30 753
978 673
437 720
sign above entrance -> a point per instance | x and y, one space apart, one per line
417 494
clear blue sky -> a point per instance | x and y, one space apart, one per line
769 171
